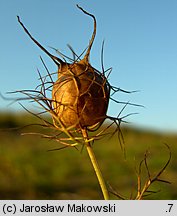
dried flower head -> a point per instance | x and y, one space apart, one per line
80 95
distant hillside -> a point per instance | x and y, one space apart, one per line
29 171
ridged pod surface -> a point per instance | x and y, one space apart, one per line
80 95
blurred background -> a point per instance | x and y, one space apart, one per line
140 46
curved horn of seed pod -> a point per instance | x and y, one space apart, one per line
86 57
57 60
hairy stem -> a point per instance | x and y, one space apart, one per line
95 165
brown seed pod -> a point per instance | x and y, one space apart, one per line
81 94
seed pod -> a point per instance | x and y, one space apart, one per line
80 95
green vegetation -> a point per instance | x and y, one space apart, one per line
29 171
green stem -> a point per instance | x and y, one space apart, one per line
95 166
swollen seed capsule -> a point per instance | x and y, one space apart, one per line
80 95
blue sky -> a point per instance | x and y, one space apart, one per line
140 45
